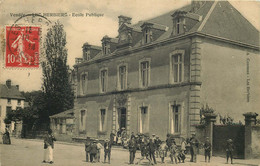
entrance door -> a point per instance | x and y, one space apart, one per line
122 117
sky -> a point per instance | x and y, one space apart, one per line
91 29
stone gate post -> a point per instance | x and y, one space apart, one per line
210 118
250 120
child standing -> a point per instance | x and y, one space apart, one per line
163 150
207 147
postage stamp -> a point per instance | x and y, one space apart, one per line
22 46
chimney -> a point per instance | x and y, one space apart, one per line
8 83
196 4
124 19
17 87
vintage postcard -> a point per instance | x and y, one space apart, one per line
129 82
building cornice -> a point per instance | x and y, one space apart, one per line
164 86
233 42
127 51
14 98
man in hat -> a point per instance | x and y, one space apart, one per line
123 136
144 151
112 136
132 135
194 144
152 147
107 150
182 156
157 142
48 147
118 135
153 137
99 147
87 149
132 150
229 150
93 151
173 152
207 148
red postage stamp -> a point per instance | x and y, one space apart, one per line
22 46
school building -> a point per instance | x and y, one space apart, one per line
155 76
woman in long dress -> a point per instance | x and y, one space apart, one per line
6 137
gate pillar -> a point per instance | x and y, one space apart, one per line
250 120
210 118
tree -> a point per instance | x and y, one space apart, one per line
58 94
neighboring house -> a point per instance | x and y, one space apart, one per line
10 100
156 75
62 125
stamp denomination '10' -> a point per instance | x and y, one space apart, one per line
22 46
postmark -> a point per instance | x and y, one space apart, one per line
23 41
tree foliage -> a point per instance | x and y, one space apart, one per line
58 95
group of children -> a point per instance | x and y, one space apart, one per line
152 148
93 150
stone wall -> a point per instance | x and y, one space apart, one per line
255 144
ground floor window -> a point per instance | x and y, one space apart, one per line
63 129
175 119
144 121
82 121
102 119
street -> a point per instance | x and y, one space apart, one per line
25 152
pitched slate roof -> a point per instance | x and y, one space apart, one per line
217 18
12 93
65 114
220 19
225 21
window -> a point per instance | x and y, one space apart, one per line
56 124
106 48
9 101
177 67
102 119
88 55
145 75
122 78
146 36
144 123
175 119
8 109
178 26
84 83
19 102
82 120
103 80
63 126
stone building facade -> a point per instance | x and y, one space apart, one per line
10 100
155 75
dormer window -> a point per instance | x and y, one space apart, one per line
179 22
87 55
86 52
106 45
147 32
178 25
105 49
